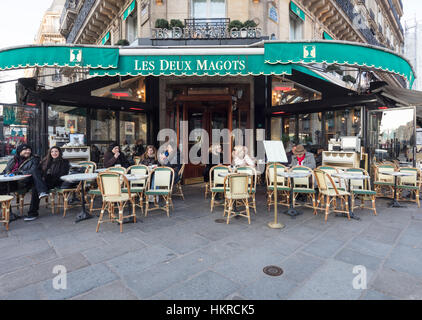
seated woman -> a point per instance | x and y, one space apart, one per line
171 158
53 167
150 156
241 157
215 158
113 156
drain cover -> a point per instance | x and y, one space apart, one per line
219 221
273 271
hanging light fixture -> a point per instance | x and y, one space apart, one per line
255 1
159 2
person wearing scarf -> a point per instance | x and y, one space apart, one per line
303 158
24 162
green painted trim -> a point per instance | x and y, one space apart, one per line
297 11
327 36
105 39
129 10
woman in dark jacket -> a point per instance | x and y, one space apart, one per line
150 156
53 166
113 156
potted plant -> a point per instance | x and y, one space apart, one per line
176 23
162 24
236 25
285 138
250 24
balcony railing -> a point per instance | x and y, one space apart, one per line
215 26
80 19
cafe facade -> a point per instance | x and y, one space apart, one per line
281 90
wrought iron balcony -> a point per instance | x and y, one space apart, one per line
80 19
216 26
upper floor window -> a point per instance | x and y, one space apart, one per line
296 28
208 9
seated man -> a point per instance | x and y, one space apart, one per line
24 162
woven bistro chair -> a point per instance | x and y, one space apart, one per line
117 169
5 201
179 190
324 180
305 186
163 186
113 196
237 188
138 186
216 182
282 185
411 184
383 183
65 193
3 165
362 189
253 181
338 182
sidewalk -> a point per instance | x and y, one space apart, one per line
190 256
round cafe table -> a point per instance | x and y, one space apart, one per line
7 179
349 177
292 211
394 203
79 177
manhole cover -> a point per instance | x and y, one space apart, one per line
219 221
273 271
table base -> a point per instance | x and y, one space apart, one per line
292 212
352 216
83 216
396 204
274 225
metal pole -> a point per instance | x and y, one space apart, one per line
275 224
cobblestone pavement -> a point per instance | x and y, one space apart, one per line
190 256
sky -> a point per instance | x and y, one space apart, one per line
412 9
19 23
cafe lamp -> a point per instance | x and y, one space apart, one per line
159 2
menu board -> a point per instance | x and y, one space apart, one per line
275 151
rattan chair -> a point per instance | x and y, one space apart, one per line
163 186
237 188
253 181
138 186
384 184
282 185
305 186
112 193
338 182
411 184
117 169
179 190
5 201
216 182
362 189
324 181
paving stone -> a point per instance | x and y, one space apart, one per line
398 284
40 272
113 291
357 258
369 247
282 244
10 251
140 260
223 249
76 242
247 266
375 295
100 254
181 243
80 281
382 234
324 246
301 233
406 259
205 286
268 288
333 281
161 276
30 292
300 266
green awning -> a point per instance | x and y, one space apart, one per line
194 65
338 52
129 10
106 37
297 11
58 56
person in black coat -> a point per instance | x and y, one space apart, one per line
24 162
114 156
52 167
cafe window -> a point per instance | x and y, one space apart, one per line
343 123
132 127
288 92
131 89
66 124
208 9
103 125
310 129
296 28
132 26
18 125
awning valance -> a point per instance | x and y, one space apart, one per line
194 65
59 56
338 52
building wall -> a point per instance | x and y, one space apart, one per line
413 49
